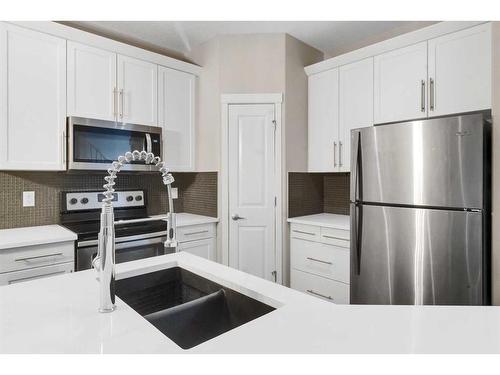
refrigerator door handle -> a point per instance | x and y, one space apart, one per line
356 233
355 164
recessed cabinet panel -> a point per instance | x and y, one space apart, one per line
400 79
137 96
176 116
91 82
460 71
202 248
32 100
323 121
355 105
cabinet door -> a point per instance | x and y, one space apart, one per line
460 71
32 100
91 82
176 92
400 84
138 96
202 248
355 105
323 121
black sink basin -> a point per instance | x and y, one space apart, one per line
187 308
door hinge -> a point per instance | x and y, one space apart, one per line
275 201
274 124
275 275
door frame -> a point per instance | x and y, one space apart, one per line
275 99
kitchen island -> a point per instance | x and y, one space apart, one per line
59 315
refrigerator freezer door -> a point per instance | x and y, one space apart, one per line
409 256
436 162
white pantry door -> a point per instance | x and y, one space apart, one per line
252 247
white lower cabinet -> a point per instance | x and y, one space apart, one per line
198 240
35 262
35 273
202 248
320 262
321 287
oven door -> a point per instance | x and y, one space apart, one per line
124 251
94 144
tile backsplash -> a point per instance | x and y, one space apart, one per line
314 193
197 193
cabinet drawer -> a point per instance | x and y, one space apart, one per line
21 258
35 273
306 232
195 232
317 286
320 259
337 237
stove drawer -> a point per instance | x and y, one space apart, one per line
195 232
27 257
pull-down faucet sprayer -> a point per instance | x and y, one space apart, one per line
104 262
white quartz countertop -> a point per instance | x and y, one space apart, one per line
323 220
27 236
185 219
59 315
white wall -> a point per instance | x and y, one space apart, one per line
254 63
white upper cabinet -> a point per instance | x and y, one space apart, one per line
460 71
323 121
176 98
137 91
32 100
355 105
400 79
91 82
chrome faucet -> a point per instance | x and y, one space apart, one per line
104 262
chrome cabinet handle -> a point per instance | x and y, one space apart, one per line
319 261
237 217
431 94
64 144
422 96
302 232
340 154
310 291
334 154
335 238
38 257
115 94
121 103
193 233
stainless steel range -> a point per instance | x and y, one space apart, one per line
134 240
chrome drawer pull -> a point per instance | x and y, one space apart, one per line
310 291
335 238
319 260
302 232
38 257
199 232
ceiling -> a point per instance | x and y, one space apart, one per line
179 37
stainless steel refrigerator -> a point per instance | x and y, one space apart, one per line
420 212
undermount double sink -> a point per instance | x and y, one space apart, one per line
188 308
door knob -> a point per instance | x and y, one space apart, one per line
236 217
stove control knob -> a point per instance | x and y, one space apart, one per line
138 198
73 201
84 200
130 198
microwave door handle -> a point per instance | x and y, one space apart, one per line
149 146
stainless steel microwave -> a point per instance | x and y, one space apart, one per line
94 144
